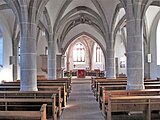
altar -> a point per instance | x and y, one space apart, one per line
81 73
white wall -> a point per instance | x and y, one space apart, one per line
42 43
6 72
154 68
96 65
119 53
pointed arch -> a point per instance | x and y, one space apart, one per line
87 34
15 6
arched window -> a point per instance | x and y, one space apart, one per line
158 43
79 53
1 48
98 53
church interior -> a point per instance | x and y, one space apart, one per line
79 59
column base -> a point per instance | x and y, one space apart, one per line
110 73
135 87
28 88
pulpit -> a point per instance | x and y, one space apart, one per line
81 73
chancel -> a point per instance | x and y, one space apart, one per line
79 59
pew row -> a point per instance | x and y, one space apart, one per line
25 115
35 95
42 83
117 82
120 93
146 104
98 90
104 89
95 81
67 82
15 87
29 104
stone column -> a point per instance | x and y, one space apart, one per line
58 67
146 63
110 69
90 65
28 13
15 65
68 64
116 66
63 65
28 56
51 60
135 57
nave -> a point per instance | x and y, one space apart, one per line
81 104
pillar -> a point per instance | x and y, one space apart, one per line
135 57
58 67
28 61
15 65
110 68
51 60
28 14
116 66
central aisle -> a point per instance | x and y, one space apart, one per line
81 104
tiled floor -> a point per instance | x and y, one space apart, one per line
81 104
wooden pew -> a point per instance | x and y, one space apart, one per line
105 89
121 87
26 104
60 94
67 81
133 103
150 80
117 93
118 82
107 83
95 81
16 87
25 115
42 83
35 95
121 77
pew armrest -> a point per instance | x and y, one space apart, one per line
43 112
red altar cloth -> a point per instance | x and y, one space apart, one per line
81 74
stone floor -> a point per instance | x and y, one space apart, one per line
81 104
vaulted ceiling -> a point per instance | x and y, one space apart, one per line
67 19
